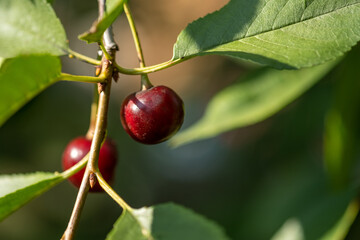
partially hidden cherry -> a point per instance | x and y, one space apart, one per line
78 148
152 116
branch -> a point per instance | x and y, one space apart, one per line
108 37
100 129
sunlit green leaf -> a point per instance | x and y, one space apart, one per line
30 27
113 9
279 33
165 221
127 227
259 96
22 78
18 189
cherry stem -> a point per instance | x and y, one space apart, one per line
145 82
77 167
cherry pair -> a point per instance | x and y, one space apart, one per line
150 116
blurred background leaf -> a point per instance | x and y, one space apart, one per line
293 230
251 100
341 141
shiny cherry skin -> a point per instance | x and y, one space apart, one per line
152 116
78 148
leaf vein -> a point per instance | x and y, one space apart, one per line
265 49
278 13
247 31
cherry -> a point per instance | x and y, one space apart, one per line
153 115
78 148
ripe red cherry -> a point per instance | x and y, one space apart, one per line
152 116
78 148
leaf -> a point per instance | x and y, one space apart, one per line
113 9
22 78
18 189
280 33
341 228
293 229
342 122
127 227
293 187
165 221
30 27
256 98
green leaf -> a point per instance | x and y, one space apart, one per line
280 33
342 122
293 229
256 98
18 189
165 221
113 9
127 227
30 27
22 78
341 228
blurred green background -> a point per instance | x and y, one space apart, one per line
250 180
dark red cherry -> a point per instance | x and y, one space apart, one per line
152 116
78 148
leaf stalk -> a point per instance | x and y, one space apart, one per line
108 189
145 82
150 69
80 78
82 57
